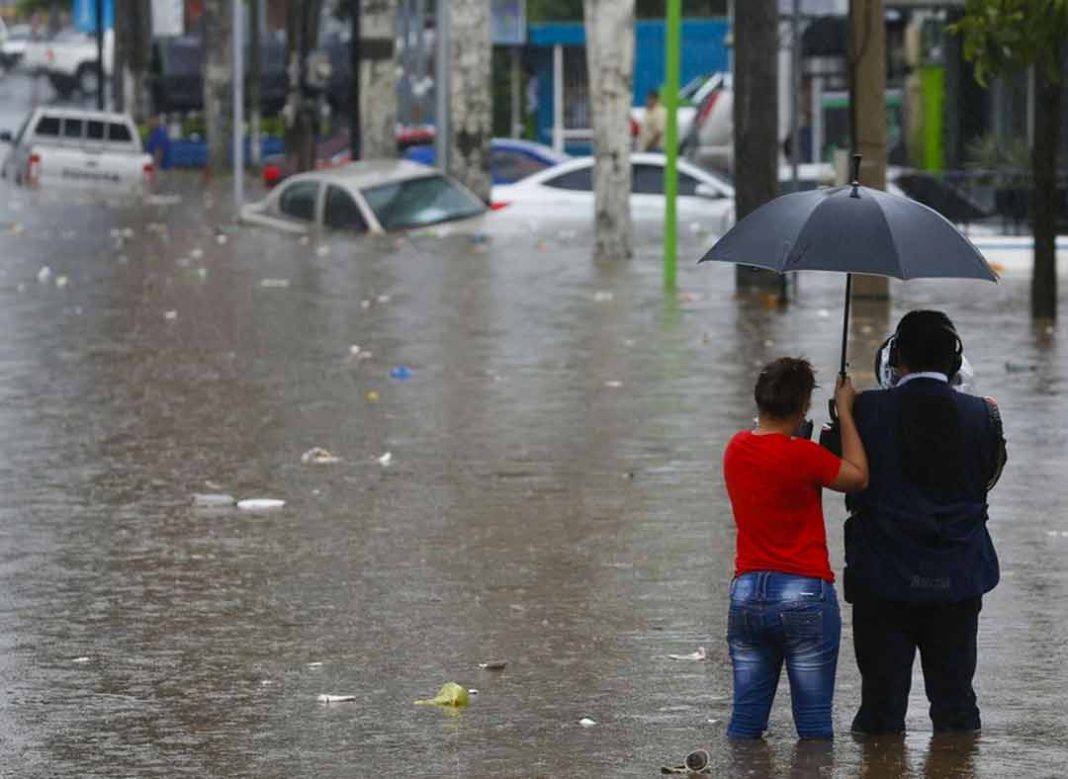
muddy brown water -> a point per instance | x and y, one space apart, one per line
554 500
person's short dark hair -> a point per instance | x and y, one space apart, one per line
784 387
926 340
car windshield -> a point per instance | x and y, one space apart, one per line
420 202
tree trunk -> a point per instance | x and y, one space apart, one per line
610 64
378 80
255 81
139 41
218 72
470 97
1044 197
302 32
120 48
756 120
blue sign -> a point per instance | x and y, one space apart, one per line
85 15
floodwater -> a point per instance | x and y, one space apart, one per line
553 500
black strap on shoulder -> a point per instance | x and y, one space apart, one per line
1002 455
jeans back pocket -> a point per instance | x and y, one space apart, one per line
802 625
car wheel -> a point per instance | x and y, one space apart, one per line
88 80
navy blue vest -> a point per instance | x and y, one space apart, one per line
909 542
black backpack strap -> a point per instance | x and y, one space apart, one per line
1001 454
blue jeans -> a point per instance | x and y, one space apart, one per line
776 617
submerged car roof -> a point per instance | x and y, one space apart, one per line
370 173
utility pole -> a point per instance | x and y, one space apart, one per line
355 129
756 123
239 105
670 98
255 81
441 84
100 55
867 106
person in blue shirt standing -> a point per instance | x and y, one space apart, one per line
918 554
159 142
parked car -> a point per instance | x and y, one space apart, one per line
709 140
71 61
691 95
13 42
175 78
511 159
78 148
564 193
367 197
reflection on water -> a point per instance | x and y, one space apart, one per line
553 500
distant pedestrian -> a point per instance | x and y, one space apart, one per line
918 554
783 607
158 143
654 124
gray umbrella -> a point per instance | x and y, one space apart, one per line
851 229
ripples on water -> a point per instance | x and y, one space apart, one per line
554 500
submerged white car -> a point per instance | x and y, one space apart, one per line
564 194
376 196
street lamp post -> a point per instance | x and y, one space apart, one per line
100 55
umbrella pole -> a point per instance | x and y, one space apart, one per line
845 322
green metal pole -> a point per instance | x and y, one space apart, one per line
670 97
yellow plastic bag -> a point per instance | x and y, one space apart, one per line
450 694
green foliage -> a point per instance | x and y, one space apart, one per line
25 8
571 10
1002 35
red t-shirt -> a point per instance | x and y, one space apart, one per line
774 485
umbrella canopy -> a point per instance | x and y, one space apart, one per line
851 229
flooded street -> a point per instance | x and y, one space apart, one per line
552 499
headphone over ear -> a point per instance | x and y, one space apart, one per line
893 358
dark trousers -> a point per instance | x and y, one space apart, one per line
886 635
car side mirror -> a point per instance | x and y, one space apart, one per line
707 190
5 136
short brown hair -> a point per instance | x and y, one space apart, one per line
784 387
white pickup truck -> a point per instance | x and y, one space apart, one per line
70 60
78 148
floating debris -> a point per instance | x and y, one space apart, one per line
44 274
400 373
603 296
260 504
197 253
275 283
319 456
493 665
170 316
80 660
385 459
213 500
61 281
613 384
450 694
337 698
315 664
586 722
322 251
700 654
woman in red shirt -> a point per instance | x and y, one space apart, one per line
783 604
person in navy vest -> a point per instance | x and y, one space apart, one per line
918 554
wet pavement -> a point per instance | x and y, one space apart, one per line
553 499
